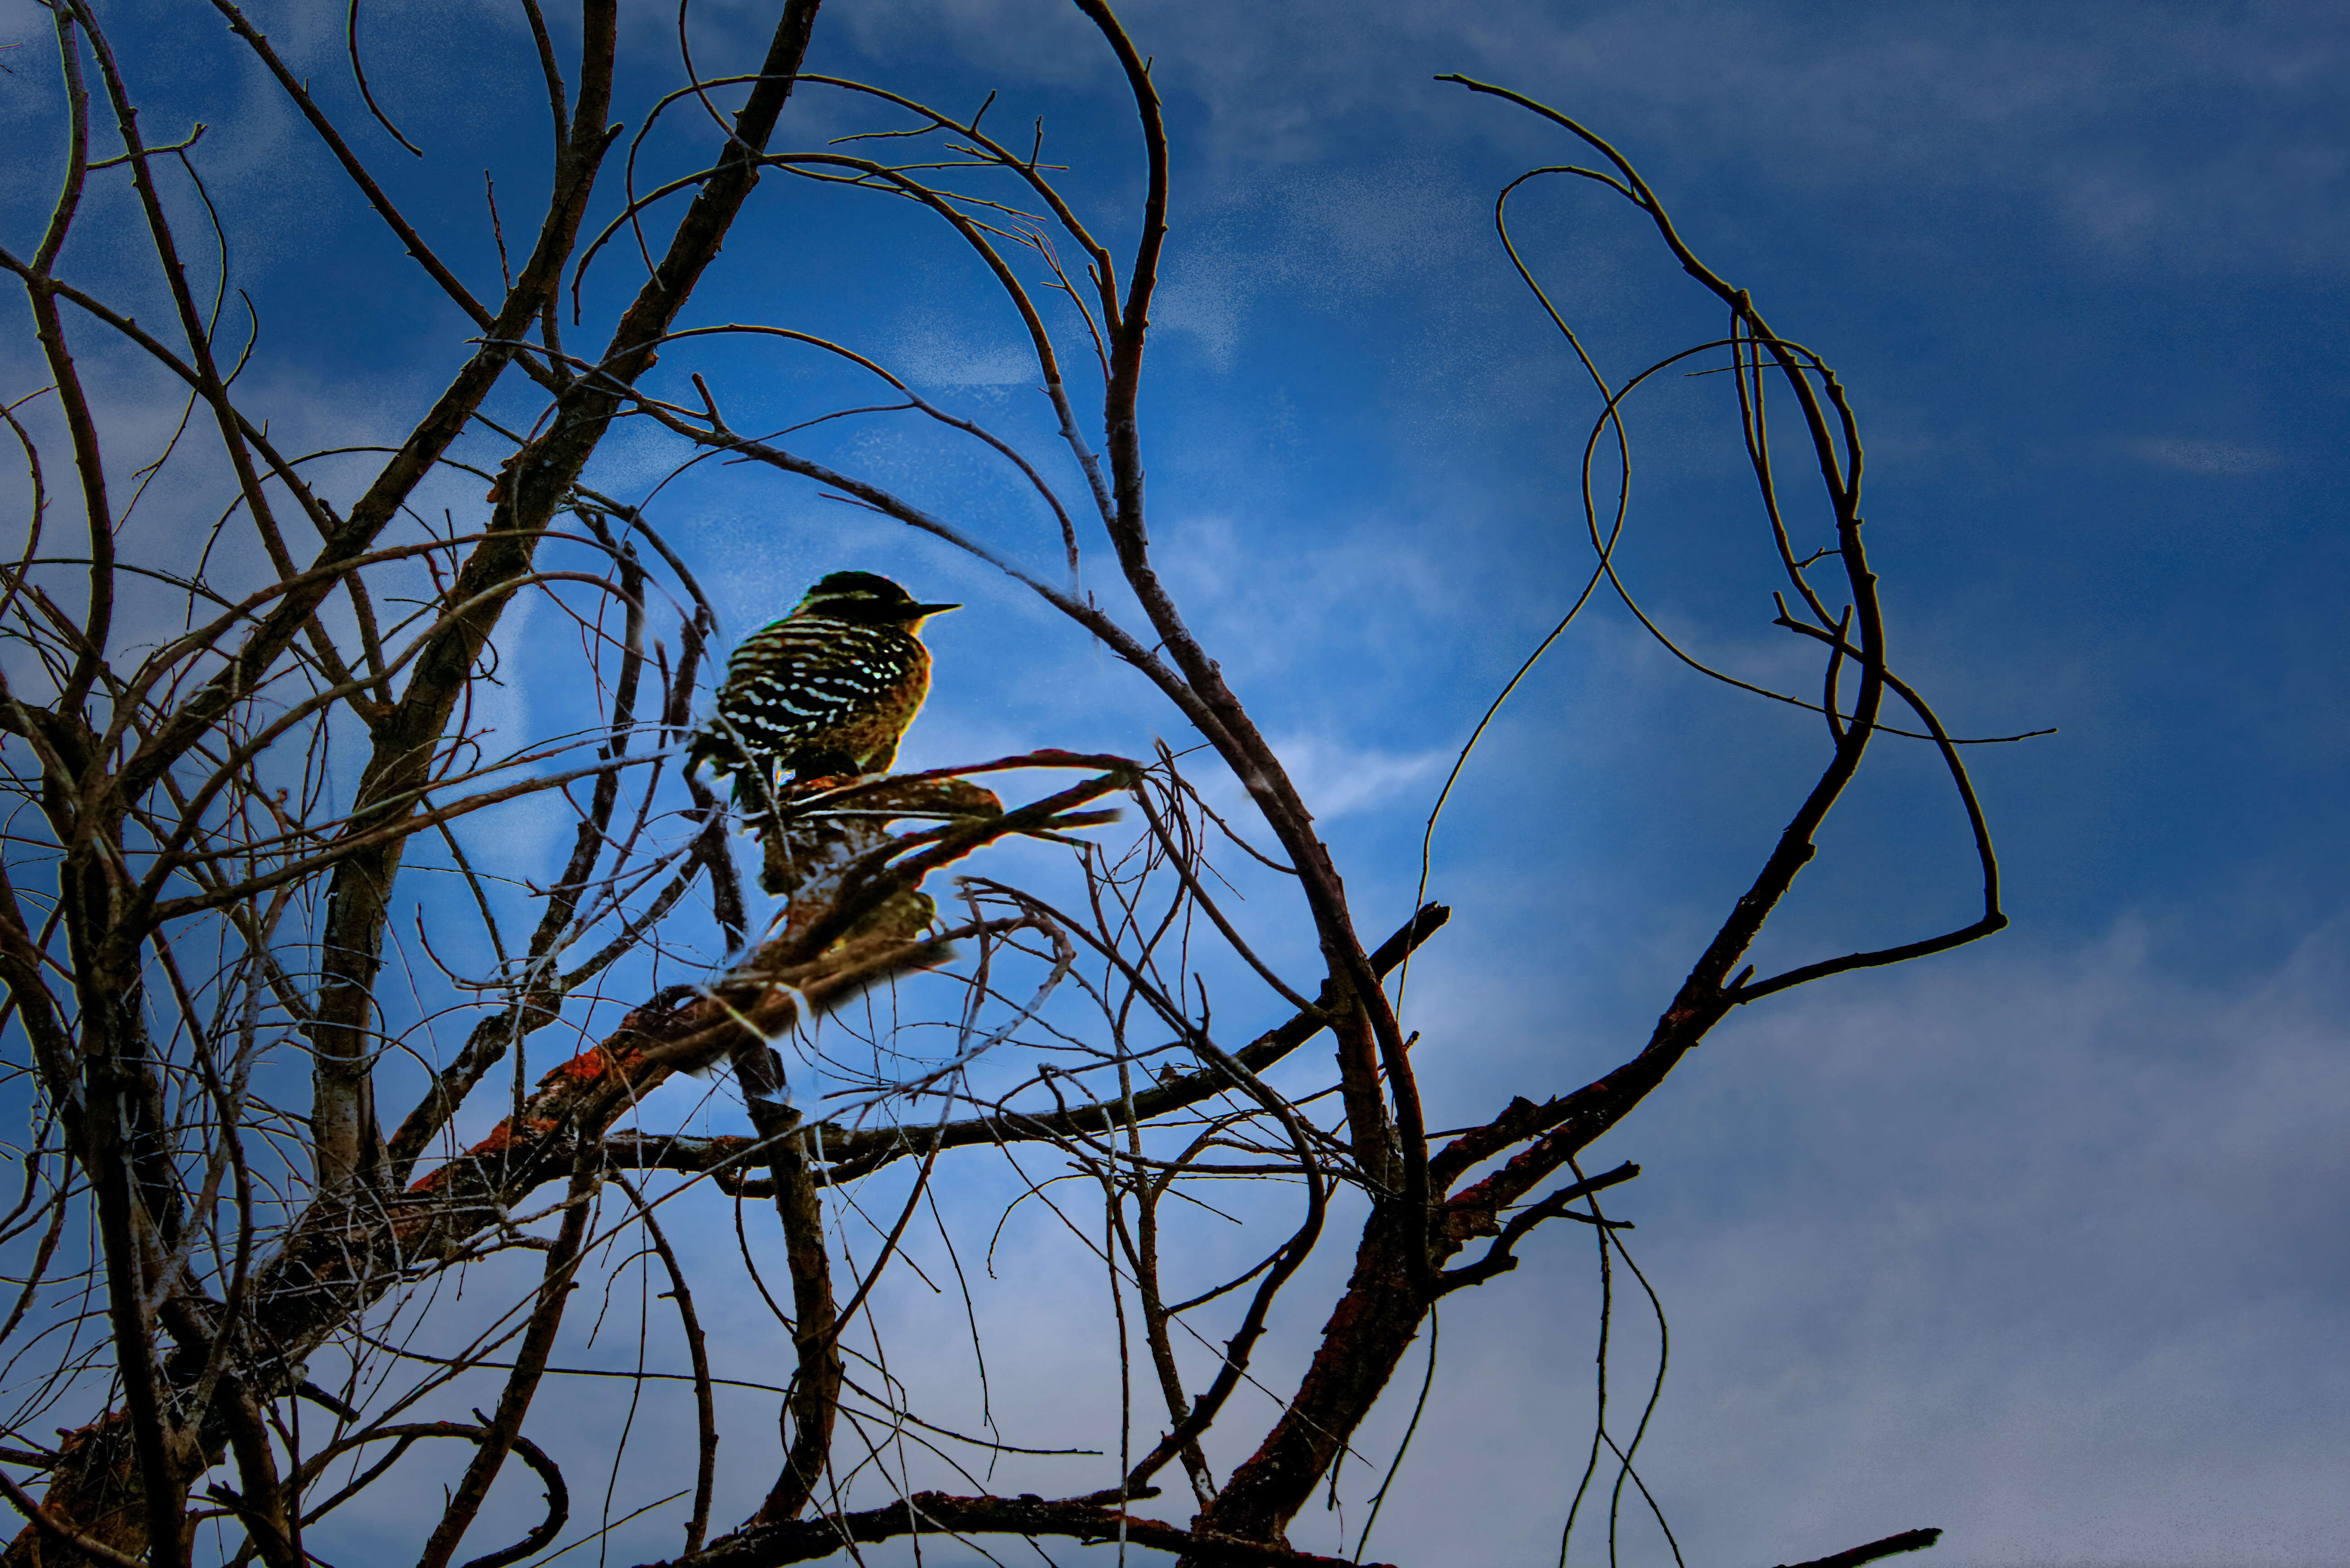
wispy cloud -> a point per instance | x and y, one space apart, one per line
1336 778
936 347
2053 106
2213 457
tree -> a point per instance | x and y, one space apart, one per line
269 1125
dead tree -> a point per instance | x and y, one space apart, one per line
252 759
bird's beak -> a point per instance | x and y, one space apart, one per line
935 610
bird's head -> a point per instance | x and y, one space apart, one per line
863 598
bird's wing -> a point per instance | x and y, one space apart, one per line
795 679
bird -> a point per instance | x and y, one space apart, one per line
826 690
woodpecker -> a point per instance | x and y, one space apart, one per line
828 689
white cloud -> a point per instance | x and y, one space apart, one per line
2044 1248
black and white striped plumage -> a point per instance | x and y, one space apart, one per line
828 690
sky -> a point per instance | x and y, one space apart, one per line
2043 1242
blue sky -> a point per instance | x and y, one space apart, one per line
2043 1241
